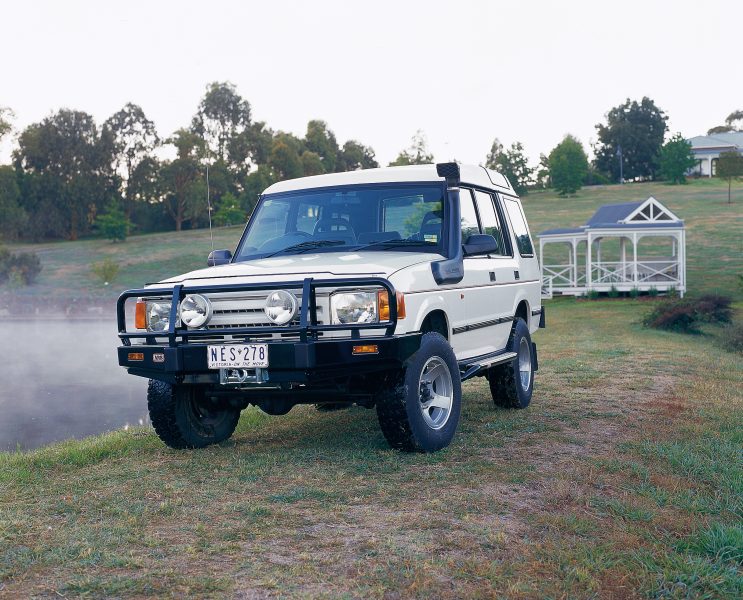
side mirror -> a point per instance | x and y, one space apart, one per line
480 244
218 257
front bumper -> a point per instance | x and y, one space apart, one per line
289 362
306 358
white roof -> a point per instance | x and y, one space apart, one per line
472 174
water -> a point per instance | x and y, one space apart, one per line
60 379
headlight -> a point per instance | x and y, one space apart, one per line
356 307
281 307
195 311
157 315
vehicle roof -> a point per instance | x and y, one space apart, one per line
471 174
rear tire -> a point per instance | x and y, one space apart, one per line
419 412
512 384
183 417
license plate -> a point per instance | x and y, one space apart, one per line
237 356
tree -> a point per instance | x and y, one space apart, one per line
676 159
568 166
542 175
113 224
733 122
354 156
249 147
134 138
320 140
5 126
222 114
633 133
182 199
730 165
284 159
14 218
70 167
312 163
512 163
416 154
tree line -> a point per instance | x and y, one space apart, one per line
71 177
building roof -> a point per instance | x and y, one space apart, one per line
732 139
648 214
471 174
612 213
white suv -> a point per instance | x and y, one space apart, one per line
384 288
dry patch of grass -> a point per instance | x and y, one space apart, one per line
622 479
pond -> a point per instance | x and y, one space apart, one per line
60 379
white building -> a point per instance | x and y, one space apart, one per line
707 149
629 246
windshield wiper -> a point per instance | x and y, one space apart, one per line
396 242
308 245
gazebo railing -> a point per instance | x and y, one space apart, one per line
645 271
560 275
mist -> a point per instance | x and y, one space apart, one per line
60 379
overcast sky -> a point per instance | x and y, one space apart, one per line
464 72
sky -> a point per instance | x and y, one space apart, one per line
463 72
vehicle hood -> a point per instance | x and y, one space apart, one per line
298 266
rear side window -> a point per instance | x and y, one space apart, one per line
520 230
489 220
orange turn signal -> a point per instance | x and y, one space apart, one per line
140 319
366 349
136 356
383 299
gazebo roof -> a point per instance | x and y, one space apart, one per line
647 214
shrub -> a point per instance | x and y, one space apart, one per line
634 293
672 316
113 224
713 308
19 269
684 315
106 270
731 338
613 292
594 295
653 291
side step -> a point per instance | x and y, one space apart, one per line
469 370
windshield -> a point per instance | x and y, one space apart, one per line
371 217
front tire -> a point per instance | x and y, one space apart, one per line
419 412
512 384
183 417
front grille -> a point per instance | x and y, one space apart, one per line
237 310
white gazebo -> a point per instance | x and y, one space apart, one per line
631 246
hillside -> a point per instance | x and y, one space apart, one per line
714 241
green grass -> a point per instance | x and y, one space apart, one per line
714 240
624 478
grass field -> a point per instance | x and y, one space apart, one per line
714 240
623 479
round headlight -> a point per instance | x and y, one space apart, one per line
281 307
195 311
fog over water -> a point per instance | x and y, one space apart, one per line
60 379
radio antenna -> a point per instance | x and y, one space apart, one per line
209 207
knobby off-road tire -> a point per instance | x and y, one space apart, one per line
512 383
182 417
420 411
